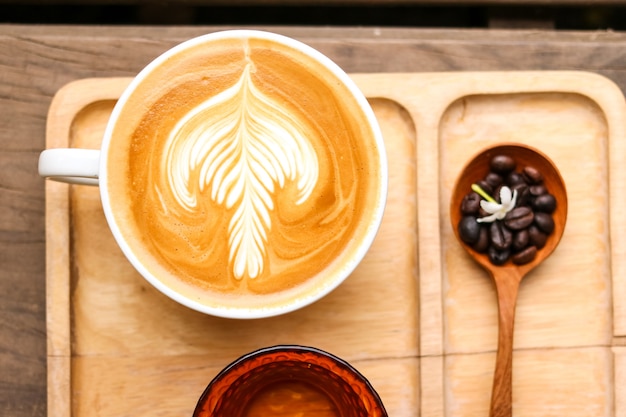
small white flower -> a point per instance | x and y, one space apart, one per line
498 211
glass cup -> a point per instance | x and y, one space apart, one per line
289 380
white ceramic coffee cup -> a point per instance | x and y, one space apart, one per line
82 166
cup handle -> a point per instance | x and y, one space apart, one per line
74 166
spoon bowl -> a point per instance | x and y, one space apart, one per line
507 277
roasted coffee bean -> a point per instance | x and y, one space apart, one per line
519 218
469 229
470 203
525 228
544 222
482 243
498 257
537 190
532 175
496 194
515 178
536 237
520 240
502 164
500 236
494 179
545 203
485 186
523 194
518 187
483 213
525 256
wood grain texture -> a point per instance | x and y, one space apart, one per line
507 277
38 60
114 320
429 121
455 127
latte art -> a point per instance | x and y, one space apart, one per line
239 144
245 173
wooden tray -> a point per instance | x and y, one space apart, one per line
418 317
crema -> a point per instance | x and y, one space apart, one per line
243 169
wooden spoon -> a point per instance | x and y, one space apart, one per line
508 277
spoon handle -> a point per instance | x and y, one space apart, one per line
507 286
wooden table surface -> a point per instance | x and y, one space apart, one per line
35 61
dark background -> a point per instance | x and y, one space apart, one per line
578 16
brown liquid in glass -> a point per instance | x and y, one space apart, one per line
291 399
289 381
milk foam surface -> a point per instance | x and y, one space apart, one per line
248 172
238 146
